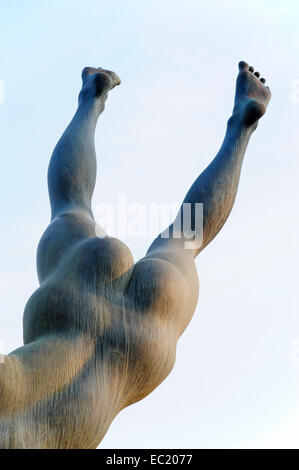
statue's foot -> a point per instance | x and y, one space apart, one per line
252 96
96 83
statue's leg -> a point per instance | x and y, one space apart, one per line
72 173
217 186
29 374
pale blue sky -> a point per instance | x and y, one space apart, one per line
234 383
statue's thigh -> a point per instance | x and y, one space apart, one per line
60 236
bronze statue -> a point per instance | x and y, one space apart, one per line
100 332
